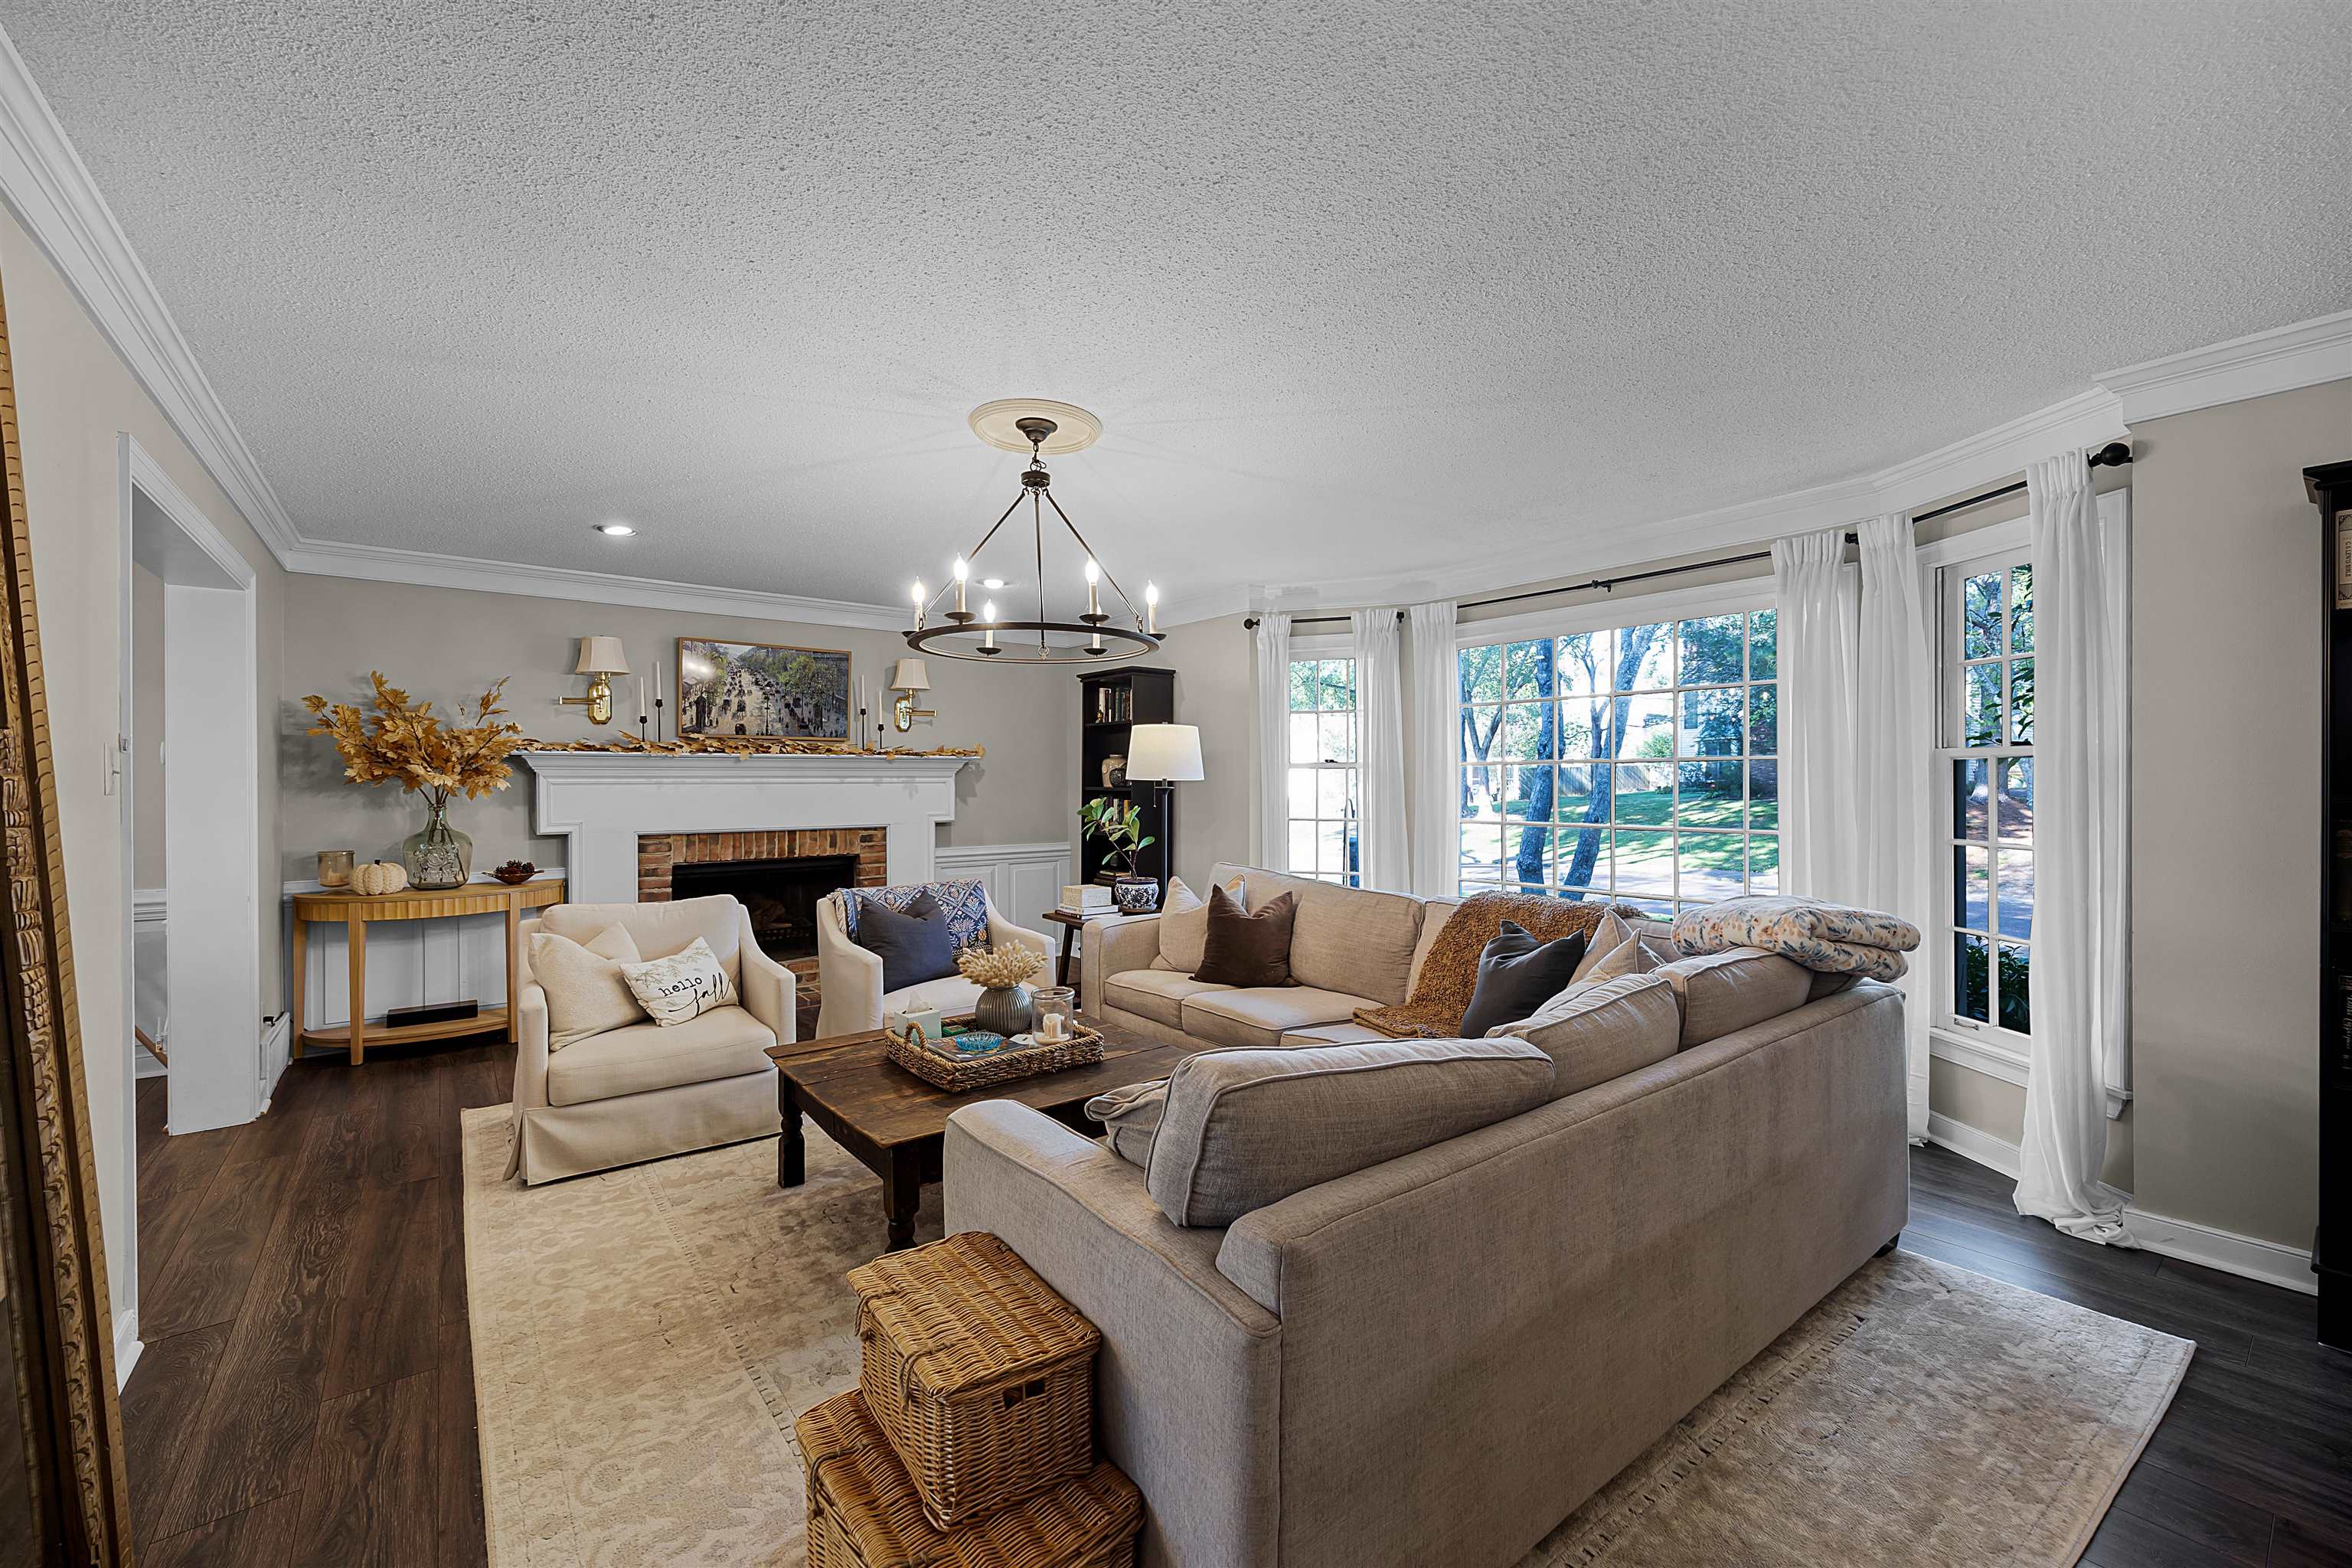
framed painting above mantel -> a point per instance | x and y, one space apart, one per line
763 689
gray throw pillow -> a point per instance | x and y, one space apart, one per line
914 945
1517 973
1246 1128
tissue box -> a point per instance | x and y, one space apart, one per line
924 1021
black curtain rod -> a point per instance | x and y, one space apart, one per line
2114 455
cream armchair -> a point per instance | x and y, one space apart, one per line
850 978
646 1092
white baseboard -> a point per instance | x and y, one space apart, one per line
2245 1256
126 1346
2226 1250
1969 1143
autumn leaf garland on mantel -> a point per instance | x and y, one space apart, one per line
406 742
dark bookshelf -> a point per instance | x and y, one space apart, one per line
2330 488
1111 702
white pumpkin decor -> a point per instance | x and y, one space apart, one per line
378 878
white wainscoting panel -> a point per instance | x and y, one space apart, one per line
411 963
1024 880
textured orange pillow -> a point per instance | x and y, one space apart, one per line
1244 949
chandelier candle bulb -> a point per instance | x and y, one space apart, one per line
1094 589
918 603
988 615
961 572
1151 608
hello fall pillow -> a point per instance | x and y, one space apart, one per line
684 986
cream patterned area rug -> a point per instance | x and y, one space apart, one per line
642 1340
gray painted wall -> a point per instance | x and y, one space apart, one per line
447 644
2228 620
1216 690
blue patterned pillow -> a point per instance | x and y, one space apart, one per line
965 904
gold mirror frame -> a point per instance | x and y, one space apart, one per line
54 1303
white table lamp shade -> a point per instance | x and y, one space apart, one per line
908 675
1164 754
600 656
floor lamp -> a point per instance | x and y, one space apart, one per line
1164 756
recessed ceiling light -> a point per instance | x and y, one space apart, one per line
615 529
991 583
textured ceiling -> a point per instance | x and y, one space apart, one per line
1355 288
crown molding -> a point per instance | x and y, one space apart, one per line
50 190
2256 366
378 563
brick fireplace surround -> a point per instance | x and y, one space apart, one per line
657 852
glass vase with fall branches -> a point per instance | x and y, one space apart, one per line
397 739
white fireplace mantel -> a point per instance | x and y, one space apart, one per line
601 801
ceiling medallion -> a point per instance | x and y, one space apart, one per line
1037 426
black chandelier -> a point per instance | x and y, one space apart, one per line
984 635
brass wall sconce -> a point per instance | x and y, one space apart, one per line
907 678
601 658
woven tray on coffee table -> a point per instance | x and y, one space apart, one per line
956 1073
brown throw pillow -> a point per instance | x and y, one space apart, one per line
1244 949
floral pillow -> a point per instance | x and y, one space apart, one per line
965 904
684 986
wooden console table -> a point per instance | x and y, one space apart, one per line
357 912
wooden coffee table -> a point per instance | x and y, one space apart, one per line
897 1124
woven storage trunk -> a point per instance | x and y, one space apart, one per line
863 1512
978 1373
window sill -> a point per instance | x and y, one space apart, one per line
1995 1058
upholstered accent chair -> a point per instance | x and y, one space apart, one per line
850 978
644 1091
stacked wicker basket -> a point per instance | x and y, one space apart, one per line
970 1441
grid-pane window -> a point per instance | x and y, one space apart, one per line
1321 775
1986 676
1639 764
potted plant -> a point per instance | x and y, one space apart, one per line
1119 824
405 741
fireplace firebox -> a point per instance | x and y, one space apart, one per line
780 894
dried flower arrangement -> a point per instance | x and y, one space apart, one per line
999 968
744 746
405 741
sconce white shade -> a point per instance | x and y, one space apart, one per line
600 656
908 675
1164 754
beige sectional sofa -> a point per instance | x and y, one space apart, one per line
1349 948
1435 1359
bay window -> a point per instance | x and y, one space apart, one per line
1637 763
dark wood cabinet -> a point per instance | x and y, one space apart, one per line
1111 702
2331 1250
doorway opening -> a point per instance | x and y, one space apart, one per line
188 774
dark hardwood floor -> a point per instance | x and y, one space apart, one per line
307 1391
306 1395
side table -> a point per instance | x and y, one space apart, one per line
1071 926
357 912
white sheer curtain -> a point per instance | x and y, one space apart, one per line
1815 597
1383 858
1272 741
2080 937
1889 800
1434 693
